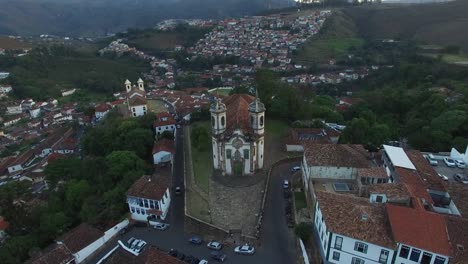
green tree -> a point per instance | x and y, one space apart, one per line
303 231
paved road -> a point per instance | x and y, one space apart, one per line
277 240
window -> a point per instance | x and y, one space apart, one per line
426 258
379 199
138 210
261 121
383 256
251 120
133 109
228 154
144 108
213 122
415 253
132 209
321 237
246 153
134 114
336 256
439 260
404 252
222 121
361 247
338 242
357 261
159 128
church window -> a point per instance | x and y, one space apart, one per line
222 121
213 121
261 121
246 153
228 153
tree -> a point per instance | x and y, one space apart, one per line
303 231
167 135
200 138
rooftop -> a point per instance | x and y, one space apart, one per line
393 191
339 155
457 229
163 145
426 171
419 228
150 255
80 237
343 214
376 172
398 157
56 254
237 114
149 187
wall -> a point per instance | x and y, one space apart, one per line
111 232
100 115
161 129
138 110
342 173
143 216
294 148
347 251
87 251
15 168
401 260
162 156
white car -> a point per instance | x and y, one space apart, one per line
460 164
215 245
285 184
445 178
295 168
161 226
430 158
449 162
244 250
203 261
134 244
140 246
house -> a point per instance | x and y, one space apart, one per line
82 241
55 254
68 92
5 88
298 137
101 111
164 122
163 151
237 129
150 255
421 236
149 197
14 108
65 146
11 120
373 175
351 230
333 161
4 75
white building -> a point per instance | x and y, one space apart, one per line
14 108
238 126
4 75
454 154
5 88
149 198
352 230
163 151
35 112
164 122
333 161
136 98
101 111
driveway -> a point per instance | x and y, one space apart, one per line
277 240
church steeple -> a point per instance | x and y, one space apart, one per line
257 115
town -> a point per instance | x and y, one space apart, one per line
189 164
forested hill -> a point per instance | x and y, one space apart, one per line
436 23
101 17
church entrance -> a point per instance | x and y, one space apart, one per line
238 168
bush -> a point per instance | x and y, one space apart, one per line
303 231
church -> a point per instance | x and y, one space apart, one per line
238 126
136 98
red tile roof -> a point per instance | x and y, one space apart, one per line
376 172
425 171
416 187
3 224
150 255
56 254
164 119
149 187
458 233
101 108
419 228
80 237
164 145
137 101
339 155
237 113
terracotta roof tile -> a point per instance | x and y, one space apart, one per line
150 187
393 191
458 233
419 228
343 215
150 255
425 171
56 254
416 187
137 101
298 136
458 193
339 155
164 145
376 172
80 237
237 113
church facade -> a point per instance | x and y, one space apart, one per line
238 127
136 98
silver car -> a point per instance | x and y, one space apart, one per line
245 250
161 226
215 245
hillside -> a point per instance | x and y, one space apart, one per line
442 24
102 17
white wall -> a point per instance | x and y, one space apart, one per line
342 173
460 156
87 251
109 234
138 110
294 148
163 205
162 156
161 129
100 115
35 112
15 168
407 260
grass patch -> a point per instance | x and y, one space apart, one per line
156 106
202 161
198 207
300 200
277 128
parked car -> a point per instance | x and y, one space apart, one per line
460 164
285 184
134 244
443 177
295 168
449 162
161 226
430 158
215 245
130 241
244 250
216 255
461 178
178 190
195 240
140 246
203 261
